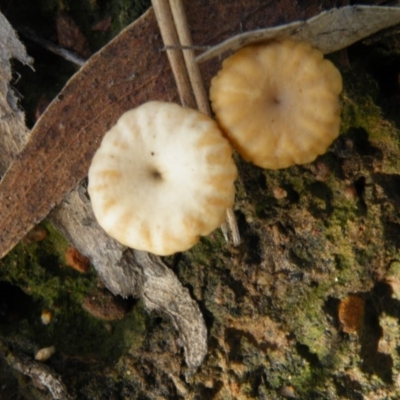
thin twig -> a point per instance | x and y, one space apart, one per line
53 48
186 72
180 47
199 91
182 27
175 57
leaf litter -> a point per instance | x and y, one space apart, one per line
63 141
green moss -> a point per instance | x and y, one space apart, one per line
340 258
207 246
361 110
394 269
308 320
76 333
39 269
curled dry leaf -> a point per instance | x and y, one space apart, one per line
329 31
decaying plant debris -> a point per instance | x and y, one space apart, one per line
328 31
271 305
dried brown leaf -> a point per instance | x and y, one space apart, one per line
129 71
64 139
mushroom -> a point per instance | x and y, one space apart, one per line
162 177
278 103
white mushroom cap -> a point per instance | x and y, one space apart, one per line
162 177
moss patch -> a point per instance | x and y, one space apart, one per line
39 270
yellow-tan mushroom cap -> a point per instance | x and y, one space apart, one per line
162 177
278 103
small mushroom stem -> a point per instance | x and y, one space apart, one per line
175 57
175 32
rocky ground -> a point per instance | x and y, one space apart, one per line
307 307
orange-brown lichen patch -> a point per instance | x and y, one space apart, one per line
104 305
267 333
37 234
76 260
351 313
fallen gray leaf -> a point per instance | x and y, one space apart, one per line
128 272
14 133
328 31
74 218
162 291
